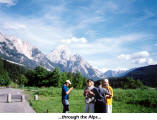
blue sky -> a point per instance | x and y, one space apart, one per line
109 34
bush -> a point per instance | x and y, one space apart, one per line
4 79
22 80
13 85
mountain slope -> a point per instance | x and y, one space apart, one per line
21 52
18 51
115 73
148 75
72 63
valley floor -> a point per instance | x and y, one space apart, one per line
124 101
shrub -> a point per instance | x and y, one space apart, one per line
4 79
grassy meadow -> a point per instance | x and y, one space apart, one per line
124 101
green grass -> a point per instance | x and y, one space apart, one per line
124 101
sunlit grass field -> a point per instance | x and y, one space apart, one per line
124 101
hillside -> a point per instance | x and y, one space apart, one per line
148 75
10 71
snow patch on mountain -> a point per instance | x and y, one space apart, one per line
73 63
18 51
115 73
60 55
22 52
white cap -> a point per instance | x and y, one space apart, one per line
106 80
68 81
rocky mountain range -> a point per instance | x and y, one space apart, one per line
115 73
69 62
21 52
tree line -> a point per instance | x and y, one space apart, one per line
41 77
38 77
126 83
9 72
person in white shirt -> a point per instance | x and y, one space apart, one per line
89 98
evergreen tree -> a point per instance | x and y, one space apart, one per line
70 76
40 75
1 65
78 83
139 84
56 78
84 82
31 76
22 80
4 79
64 78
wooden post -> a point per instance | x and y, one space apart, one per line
47 111
9 98
22 98
36 97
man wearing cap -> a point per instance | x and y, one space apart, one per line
89 98
108 98
65 96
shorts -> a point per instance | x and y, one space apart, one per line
65 106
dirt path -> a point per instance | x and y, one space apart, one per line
16 106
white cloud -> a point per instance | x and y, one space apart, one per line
122 56
57 31
119 68
104 70
74 40
84 22
142 57
113 7
137 55
8 2
125 38
113 69
108 44
14 26
147 61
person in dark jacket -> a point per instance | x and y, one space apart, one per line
100 97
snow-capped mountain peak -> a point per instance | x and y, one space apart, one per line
21 46
72 63
61 53
115 73
21 52
76 57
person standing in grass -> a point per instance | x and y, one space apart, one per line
100 95
65 96
89 98
108 98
